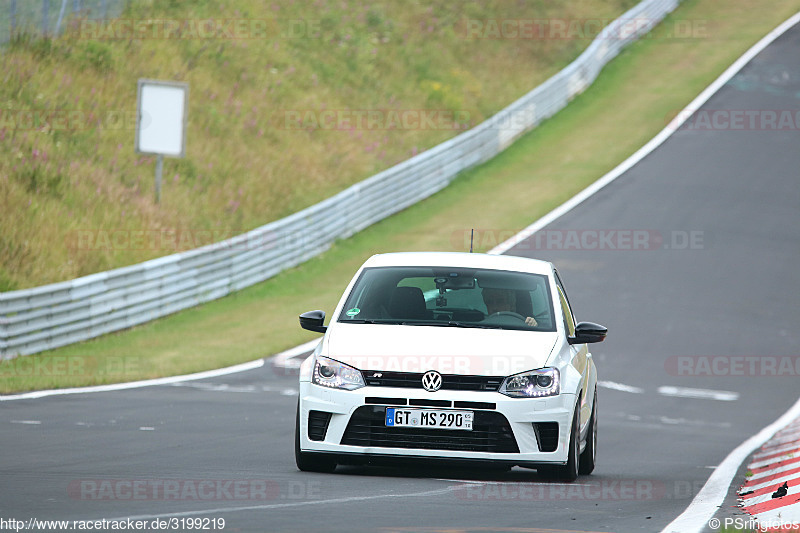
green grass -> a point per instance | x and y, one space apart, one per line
61 179
627 106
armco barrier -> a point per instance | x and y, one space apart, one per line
46 317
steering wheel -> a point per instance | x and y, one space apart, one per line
507 313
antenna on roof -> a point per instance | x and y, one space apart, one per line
471 235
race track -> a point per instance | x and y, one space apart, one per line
718 277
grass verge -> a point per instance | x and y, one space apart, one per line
275 92
629 103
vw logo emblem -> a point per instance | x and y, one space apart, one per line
431 381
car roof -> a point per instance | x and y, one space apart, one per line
460 259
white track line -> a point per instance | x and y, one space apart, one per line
136 384
654 143
263 507
288 359
699 394
620 387
283 359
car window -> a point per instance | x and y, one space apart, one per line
451 297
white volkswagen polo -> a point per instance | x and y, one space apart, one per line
458 357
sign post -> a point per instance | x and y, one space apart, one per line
161 122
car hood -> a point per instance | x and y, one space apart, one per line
448 350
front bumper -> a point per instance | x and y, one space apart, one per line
527 419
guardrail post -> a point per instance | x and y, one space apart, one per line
60 17
45 15
13 16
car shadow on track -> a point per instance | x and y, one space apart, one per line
450 473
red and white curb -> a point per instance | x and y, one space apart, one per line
772 493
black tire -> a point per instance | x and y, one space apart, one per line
588 458
308 462
569 471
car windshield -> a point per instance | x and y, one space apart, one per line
455 297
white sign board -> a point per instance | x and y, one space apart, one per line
161 117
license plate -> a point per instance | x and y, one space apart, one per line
429 418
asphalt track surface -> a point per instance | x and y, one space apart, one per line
731 293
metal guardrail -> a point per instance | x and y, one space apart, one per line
49 17
50 316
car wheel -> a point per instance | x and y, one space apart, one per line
305 461
589 455
569 471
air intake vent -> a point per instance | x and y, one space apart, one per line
430 403
546 435
474 405
385 401
318 424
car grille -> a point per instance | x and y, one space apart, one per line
491 432
413 380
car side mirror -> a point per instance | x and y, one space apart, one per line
588 332
313 321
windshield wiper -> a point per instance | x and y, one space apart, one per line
370 321
450 323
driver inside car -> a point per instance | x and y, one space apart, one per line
503 300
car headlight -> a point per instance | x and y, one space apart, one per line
532 384
336 375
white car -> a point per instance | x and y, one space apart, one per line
460 357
